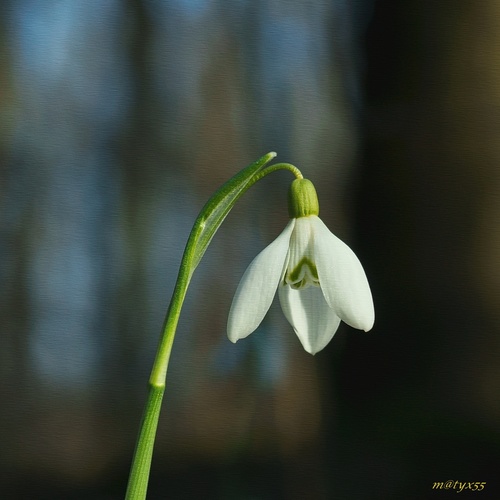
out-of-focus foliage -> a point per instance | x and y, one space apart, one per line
117 122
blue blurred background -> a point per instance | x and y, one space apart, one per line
117 122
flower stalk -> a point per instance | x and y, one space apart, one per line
206 225
319 280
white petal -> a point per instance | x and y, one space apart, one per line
313 320
257 287
342 278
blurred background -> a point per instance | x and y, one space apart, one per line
117 122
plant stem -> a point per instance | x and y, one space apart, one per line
273 168
141 464
160 366
207 223
139 474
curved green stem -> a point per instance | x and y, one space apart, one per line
160 365
209 220
278 166
141 463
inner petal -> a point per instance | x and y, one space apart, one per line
303 275
313 320
301 270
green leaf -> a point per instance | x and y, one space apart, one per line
216 209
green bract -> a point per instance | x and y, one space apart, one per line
218 206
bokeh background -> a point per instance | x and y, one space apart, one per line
118 119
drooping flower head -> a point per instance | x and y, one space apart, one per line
319 279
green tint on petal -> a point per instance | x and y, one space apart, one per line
304 274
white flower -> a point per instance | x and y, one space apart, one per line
320 282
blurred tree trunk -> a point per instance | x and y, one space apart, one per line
139 165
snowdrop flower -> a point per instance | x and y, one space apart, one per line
319 279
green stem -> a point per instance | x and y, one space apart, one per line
207 223
139 474
141 464
160 365
277 166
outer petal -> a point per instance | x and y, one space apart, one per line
313 320
342 278
257 287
